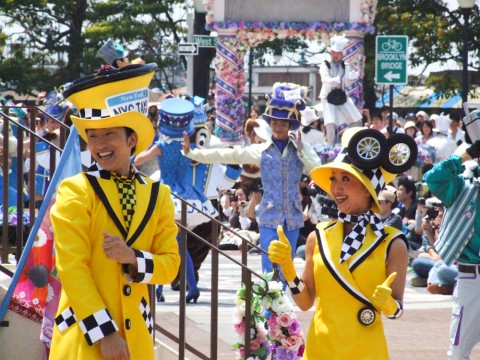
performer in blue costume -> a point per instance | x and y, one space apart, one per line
176 116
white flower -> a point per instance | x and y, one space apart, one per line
275 288
41 238
281 305
238 315
267 302
50 293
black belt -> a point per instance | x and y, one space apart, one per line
471 268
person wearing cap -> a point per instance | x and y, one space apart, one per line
311 132
114 54
114 229
355 266
335 75
459 241
281 161
191 182
388 201
410 129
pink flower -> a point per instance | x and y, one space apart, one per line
294 327
239 328
272 321
255 344
292 342
274 333
284 320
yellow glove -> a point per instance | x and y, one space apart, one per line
280 252
382 297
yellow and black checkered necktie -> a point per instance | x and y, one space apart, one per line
126 190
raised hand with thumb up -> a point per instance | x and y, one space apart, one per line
382 298
280 252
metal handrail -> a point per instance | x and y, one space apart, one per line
5 247
247 273
246 279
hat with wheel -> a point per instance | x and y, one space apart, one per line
372 158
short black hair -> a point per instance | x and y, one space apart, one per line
455 115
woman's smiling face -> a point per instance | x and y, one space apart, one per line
351 196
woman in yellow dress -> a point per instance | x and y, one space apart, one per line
355 267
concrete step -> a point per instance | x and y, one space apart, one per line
196 336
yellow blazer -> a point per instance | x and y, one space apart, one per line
97 288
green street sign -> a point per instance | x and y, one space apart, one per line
391 59
205 40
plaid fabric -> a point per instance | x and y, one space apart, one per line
354 240
126 190
96 326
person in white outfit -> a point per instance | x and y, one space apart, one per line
311 132
338 114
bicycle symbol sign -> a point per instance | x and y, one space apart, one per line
391 59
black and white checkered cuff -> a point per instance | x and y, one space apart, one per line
96 326
144 271
66 319
398 312
296 286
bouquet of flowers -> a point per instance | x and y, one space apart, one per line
326 153
284 330
259 344
275 327
426 154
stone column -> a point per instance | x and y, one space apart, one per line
354 56
229 88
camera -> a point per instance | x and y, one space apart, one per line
230 191
256 186
328 206
432 213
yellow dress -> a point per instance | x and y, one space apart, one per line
335 332
92 283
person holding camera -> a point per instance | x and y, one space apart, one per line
339 111
459 240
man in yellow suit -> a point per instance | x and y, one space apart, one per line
114 229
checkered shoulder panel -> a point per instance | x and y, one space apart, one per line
144 266
98 325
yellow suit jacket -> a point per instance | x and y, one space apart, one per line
98 296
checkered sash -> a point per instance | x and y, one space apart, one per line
354 240
126 190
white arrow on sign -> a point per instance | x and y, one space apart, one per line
188 49
390 76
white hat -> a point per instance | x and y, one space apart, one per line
337 43
422 114
309 115
442 124
409 124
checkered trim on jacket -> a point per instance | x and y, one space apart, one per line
98 325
